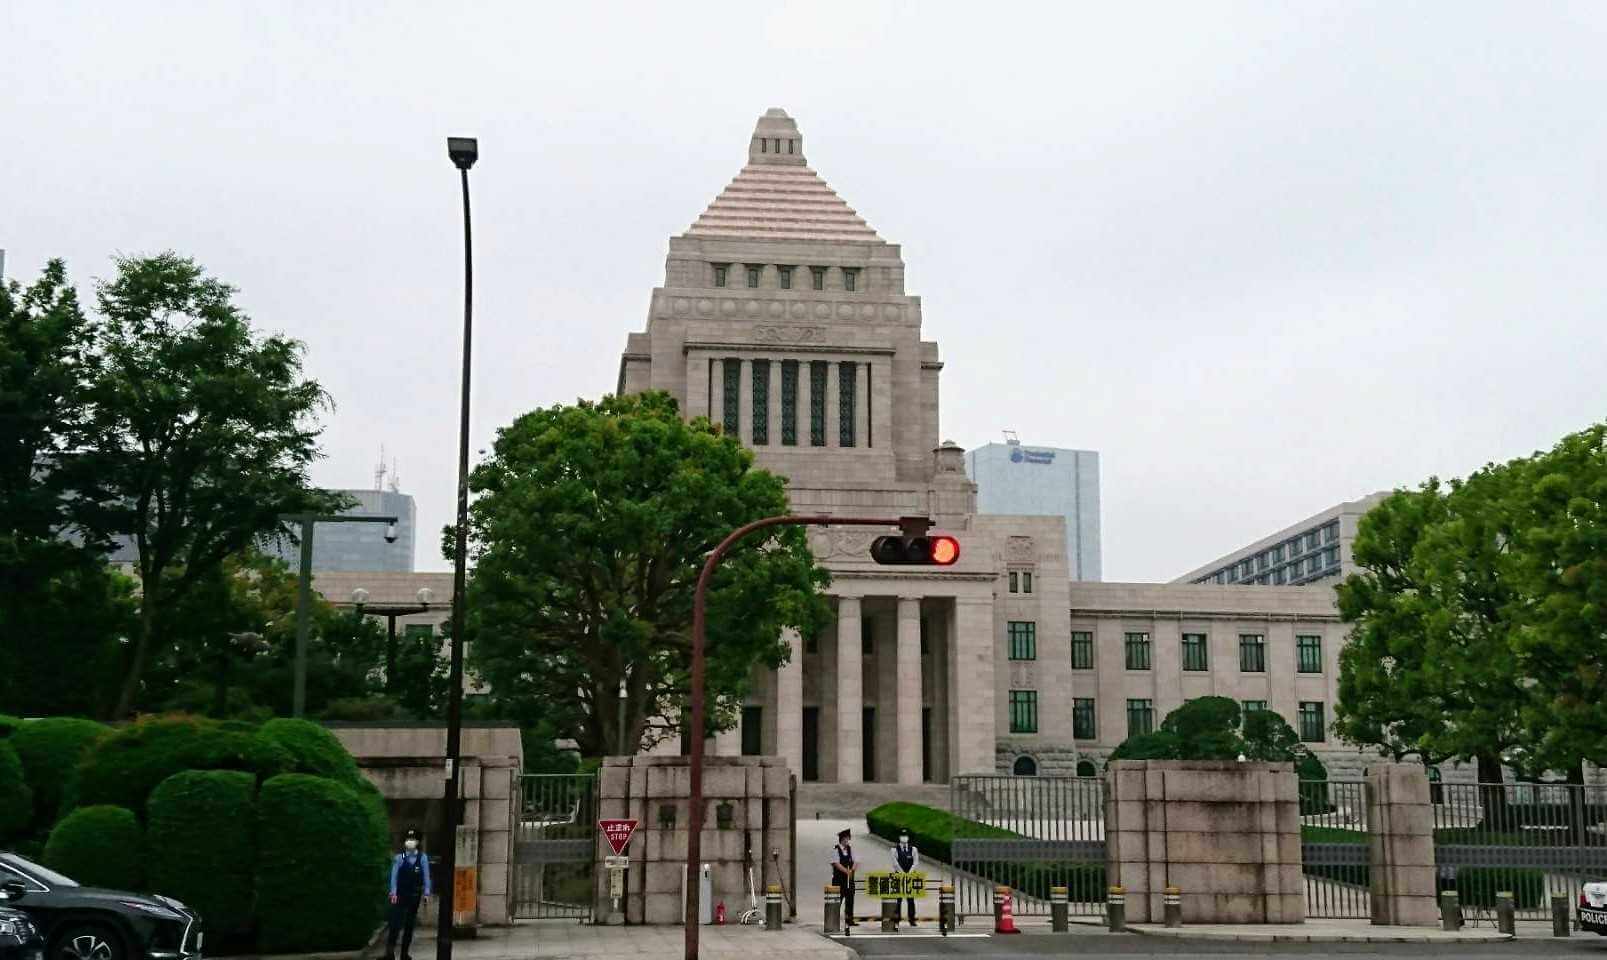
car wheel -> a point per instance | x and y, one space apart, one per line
88 941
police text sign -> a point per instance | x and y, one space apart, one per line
900 886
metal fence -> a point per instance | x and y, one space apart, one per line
1033 833
1532 840
1334 849
555 846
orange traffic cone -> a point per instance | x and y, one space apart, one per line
719 913
1004 916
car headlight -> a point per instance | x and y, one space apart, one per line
16 928
151 909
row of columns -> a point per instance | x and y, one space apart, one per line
863 426
851 695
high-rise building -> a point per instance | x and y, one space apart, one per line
1043 481
361 546
1317 548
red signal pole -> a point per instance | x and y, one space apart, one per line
913 526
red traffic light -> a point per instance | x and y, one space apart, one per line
939 551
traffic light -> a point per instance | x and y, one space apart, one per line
935 551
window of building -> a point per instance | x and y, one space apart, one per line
752 731
1082 650
754 270
1330 556
1221 576
1278 575
1023 636
1020 581
761 402
1277 554
1330 533
1313 564
1015 582
1084 723
820 277
1140 717
846 396
1025 767
867 638
850 279
1195 655
1252 653
789 403
1086 769
733 386
925 648
719 273
784 274
1023 711
1313 728
1138 651
1251 706
1308 653
817 403
1026 581
1262 561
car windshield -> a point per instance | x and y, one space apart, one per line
29 868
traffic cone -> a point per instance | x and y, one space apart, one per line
1006 922
719 913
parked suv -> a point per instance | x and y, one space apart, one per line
1593 908
87 923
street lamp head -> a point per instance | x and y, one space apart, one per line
359 596
390 533
463 151
425 595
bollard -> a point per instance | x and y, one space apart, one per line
945 909
772 907
1116 909
889 915
998 906
834 910
1173 902
1450 911
1059 909
1506 912
1559 917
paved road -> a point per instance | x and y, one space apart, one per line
1099 944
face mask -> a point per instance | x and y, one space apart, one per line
904 840
411 845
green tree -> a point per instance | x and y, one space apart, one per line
1215 728
590 528
201 433
61 609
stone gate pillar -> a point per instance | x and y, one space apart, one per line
1400 836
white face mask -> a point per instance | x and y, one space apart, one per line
411 845
904 840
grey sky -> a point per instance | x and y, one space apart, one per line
1263 257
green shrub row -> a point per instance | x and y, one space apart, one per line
16 799
124 768
99 846
201 833
51 751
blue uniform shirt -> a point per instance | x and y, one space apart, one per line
407 870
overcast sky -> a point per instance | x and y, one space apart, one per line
1262 257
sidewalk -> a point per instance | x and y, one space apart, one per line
555 939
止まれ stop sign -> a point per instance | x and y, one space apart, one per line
617 832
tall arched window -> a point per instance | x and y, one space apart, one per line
1026 767
1085 768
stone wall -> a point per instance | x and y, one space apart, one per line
1227 834
655 792
1400 826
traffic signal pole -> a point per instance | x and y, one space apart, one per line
912 526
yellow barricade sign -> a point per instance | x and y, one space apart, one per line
899 886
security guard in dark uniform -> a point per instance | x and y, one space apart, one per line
842 875
410 886
907 859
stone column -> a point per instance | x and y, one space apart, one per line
789 705
697 386
1400 835
908 665
850 692
881 403
971 720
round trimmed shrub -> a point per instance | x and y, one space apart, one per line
51 750
317 889
98 847
16 800
9 725
312 749
201 833
125 767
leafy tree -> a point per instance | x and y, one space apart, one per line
1206 728
1215 728
590 528
1268 737
61 609
200 434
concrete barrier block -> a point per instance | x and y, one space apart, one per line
1128 845
1132 815
1289 849
1129 783
1286 818
1411 820
1287 908
1216 878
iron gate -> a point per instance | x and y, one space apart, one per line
1030 833
1334 851
555 846
1534 840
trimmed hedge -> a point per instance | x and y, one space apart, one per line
1477 886
320 875
9 725
125 767
99 846
16 799
933 831
312 749
51 750
201 833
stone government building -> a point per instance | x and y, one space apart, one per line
784 317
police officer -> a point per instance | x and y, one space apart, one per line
410 886
907 859
842 874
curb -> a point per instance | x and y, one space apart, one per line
1197 933
373 948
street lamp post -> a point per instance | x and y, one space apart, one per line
298 699
390 612
463 151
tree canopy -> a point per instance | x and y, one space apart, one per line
590 527
1216 728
